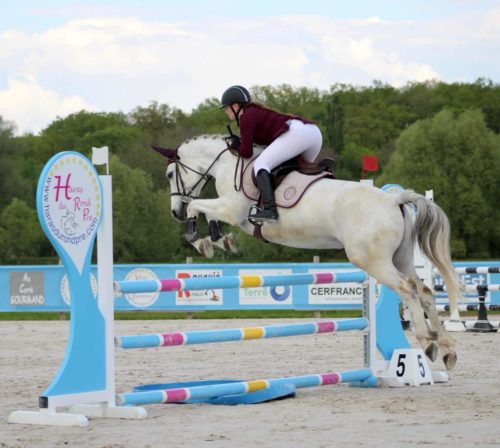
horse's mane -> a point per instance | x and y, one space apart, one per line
212 137
204 136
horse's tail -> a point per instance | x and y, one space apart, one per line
431 230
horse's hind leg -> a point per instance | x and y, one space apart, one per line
406 288
381 267
404 262
445 342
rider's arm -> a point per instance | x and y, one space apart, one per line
247 131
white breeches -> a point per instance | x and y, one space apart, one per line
300 139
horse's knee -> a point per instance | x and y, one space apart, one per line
191 211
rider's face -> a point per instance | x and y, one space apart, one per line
230 110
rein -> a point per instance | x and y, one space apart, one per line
240 165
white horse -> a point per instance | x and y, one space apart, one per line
376 229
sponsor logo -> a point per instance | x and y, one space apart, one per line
267 295
335 293
142 299
69 205
199 297
27 288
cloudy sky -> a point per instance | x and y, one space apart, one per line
58 57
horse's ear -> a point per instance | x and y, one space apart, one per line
170 154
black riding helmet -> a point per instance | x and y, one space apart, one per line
235 94
232 95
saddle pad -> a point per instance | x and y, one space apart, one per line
288 193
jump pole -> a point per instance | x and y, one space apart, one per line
478 270
236 281
386 338
482 324
239 334
217 390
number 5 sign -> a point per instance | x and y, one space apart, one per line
410 366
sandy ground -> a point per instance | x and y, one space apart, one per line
462 413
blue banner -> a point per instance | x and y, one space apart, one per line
45 288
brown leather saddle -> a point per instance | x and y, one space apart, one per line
327 165
291 179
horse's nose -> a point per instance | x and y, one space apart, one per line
174 214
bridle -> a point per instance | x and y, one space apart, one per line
187 195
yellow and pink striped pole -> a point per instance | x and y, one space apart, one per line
236 281
239 334
179 395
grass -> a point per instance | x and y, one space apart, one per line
203 315
163 315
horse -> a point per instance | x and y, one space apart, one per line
377 230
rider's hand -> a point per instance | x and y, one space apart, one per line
233 142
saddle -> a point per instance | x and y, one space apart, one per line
291 179
304 167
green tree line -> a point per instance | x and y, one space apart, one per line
431 135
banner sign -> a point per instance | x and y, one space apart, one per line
44 288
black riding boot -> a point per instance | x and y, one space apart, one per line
268 212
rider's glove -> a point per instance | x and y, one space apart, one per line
233 142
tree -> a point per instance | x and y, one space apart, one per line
454 152
12 156
129 137
143 229
161 123
349 163
20 232
335 131
77 131
458 157
207 118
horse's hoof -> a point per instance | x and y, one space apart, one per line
206 248
230 243
450 359
431 351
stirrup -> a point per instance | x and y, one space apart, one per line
256 220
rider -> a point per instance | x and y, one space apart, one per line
285 137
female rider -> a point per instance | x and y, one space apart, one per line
285 137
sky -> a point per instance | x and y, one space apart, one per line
59 57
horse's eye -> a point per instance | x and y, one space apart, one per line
170 175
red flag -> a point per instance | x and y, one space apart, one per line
370 163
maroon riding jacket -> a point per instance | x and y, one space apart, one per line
261 126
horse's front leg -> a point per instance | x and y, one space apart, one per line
202 245
224 242
213 208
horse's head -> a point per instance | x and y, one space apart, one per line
188 170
